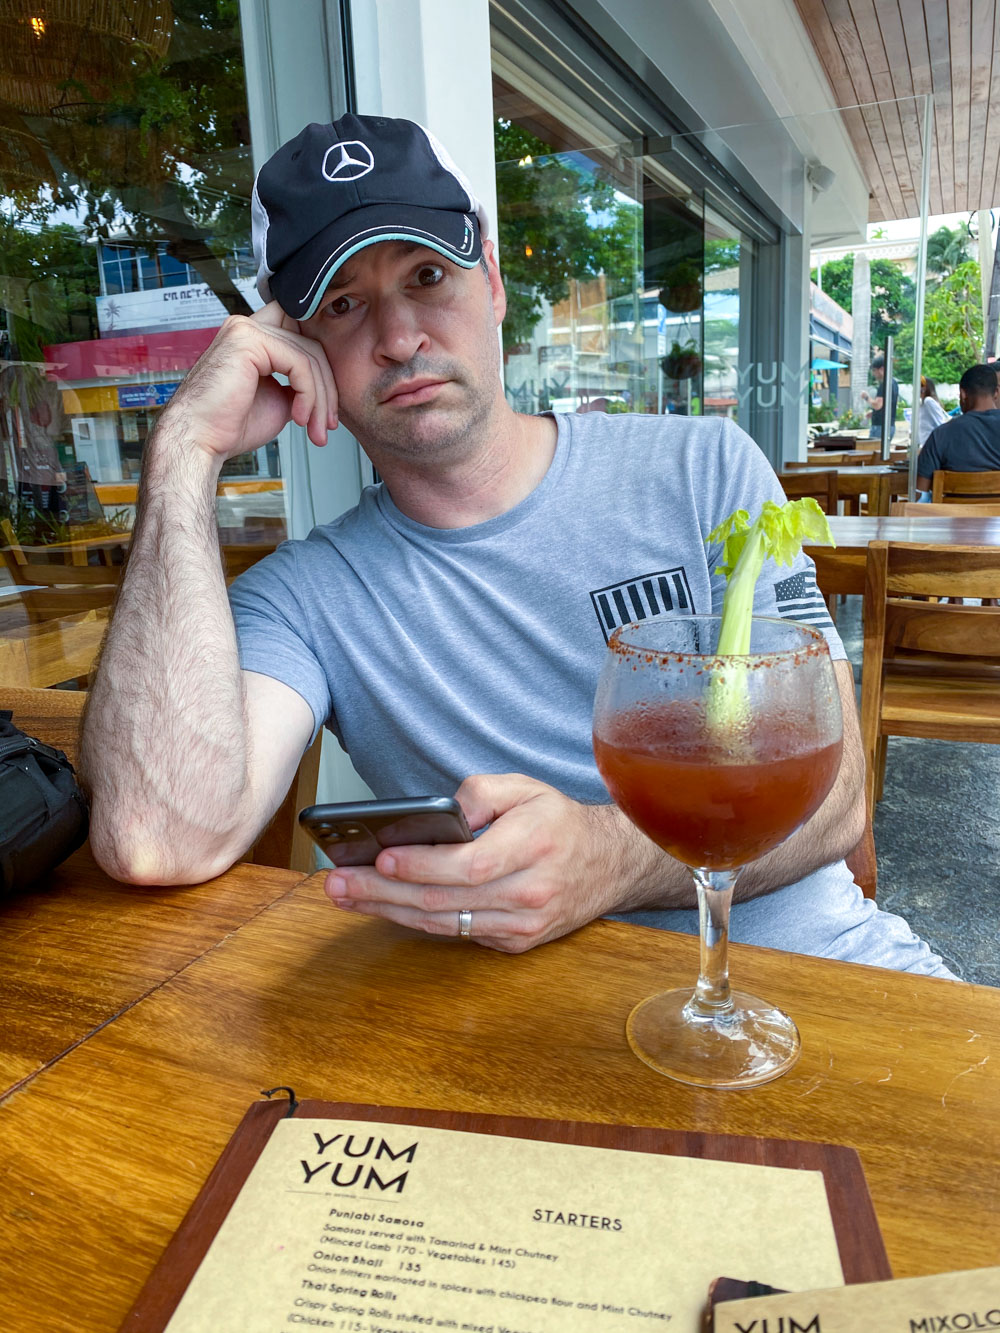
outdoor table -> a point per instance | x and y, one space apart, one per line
81 949
880 482
841 569
106 1146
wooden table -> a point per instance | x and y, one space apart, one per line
879 482
126 492
105 1149
81 949
842 569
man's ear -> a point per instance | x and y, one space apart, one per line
497 293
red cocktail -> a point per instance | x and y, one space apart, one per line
718 760
700 802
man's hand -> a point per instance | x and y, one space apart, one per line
231 403
545 866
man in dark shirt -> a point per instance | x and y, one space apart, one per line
878 402
971 442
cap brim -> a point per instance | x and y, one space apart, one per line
301 282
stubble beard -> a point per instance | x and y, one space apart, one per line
426 433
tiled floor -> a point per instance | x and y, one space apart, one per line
937 839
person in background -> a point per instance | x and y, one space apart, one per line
932 414
971 442
878 401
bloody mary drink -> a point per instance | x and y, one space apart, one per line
706 801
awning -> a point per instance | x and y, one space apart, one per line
820 364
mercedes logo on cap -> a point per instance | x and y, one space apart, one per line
347 161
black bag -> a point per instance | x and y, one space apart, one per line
43 813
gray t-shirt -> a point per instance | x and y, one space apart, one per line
437 653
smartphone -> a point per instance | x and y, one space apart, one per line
353 833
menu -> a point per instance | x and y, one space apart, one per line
941 1303
371 1227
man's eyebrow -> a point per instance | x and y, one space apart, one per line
345 276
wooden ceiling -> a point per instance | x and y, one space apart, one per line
885 50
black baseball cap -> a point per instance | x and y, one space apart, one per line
335 189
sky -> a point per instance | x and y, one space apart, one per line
909 228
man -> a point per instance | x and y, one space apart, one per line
451 628
878 401
971 442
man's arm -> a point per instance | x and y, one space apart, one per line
185 756
548 864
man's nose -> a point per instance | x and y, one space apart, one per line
399 332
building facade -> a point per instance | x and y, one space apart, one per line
655 175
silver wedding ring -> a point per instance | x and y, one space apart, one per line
465 923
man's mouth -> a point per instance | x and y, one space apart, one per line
413 392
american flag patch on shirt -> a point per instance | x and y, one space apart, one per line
799 598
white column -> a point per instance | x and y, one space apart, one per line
429 61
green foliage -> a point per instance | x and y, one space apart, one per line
48 286
850 420
821 412
893 294
164 152
953 328
558 222
947 248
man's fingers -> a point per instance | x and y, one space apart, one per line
355 884
497 930
304 362
486 796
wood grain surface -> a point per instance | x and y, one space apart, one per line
80 949
842 568
105 1151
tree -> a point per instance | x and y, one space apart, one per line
145 137
953 328
48 287
893 294
558 221
947 249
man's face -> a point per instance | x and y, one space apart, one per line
879 372
411 339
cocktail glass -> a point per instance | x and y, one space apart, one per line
718 760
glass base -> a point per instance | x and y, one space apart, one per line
749 1043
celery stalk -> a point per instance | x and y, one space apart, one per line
779 533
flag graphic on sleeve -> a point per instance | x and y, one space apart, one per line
641 597
799 598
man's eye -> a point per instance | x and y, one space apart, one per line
429 275
340 305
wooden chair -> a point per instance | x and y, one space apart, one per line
822 486
965 487
53 586
54 716
915 509
52 650
862 863
929 669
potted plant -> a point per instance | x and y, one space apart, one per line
681 290
682 363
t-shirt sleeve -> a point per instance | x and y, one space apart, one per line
789 591
272 633
930 458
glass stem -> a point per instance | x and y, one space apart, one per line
715 894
